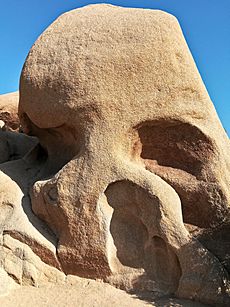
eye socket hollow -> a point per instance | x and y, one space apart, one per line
174 144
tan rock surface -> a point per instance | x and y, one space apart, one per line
133 75
83 293
12 145
130 148
24 266
7 284
9 110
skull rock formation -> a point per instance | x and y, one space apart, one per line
133 151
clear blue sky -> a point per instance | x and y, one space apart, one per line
205 23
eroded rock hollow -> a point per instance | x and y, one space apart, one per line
127 167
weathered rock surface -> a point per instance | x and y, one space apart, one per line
9 110
14 145
24 266
131 148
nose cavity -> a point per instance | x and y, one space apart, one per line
142 254
129 235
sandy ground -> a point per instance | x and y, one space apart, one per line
82 293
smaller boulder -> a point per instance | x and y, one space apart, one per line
9 110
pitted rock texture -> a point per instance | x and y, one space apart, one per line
130 149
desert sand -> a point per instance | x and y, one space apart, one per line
83 293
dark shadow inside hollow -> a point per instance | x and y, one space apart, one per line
133 223
61 144
129 235
217 241
25 172
182 155
56 147
175 144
